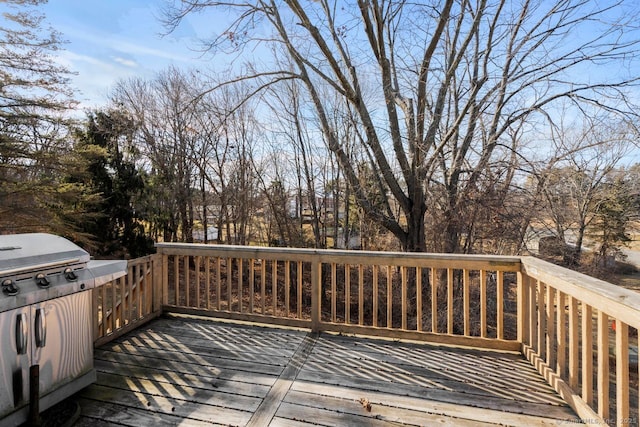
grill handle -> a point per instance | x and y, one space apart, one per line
41 327
21 333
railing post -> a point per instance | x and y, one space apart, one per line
162 286
94 318
316 295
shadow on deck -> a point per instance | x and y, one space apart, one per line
182 370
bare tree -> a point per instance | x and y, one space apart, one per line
226 135
199 149
293 141
436 86
573 188
325 205
164 112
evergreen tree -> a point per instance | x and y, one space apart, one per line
612 219
34 152
107 144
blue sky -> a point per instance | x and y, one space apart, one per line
109 40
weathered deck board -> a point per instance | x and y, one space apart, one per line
160 335
192 371
476 400
441 368
94 415
228 373
266 364
157 402
233 384
388 400
331 411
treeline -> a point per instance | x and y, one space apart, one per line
324 147
168 163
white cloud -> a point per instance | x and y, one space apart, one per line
169 50
94 76
124 44
126 62
69 59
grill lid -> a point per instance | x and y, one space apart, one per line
36 251
38 267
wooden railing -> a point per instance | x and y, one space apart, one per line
562 321
578 331
125 303
442 298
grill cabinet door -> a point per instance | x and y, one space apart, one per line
61 340
15 346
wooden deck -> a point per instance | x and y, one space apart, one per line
181 370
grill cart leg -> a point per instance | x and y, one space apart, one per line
34 396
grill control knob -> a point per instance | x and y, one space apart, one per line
70 274
42 281
9 287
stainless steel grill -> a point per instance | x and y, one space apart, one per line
45 321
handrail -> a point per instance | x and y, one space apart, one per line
504 263
562 321
615 301
568 321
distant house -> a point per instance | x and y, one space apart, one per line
326 207
212 235
354 242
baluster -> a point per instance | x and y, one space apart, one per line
389 297
403 297
587 354
287 286
198 262
207 266
483 303
375 296
450 301
252 284
466 302
187 283
300 271
274 286
360 294
218 283
573 343
561 336
419 298
240 283
347 294
542 321
622 373
434 301
176 277
229 268
551 327
603 364
334 297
